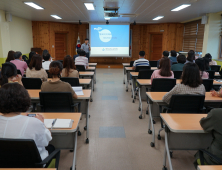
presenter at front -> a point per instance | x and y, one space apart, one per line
86 47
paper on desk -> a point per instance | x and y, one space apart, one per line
59 124
48 122
78 90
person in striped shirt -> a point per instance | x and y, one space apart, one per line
82 59
141 61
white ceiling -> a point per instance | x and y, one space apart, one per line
74 10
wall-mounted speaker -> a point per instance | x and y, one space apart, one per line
8 17
204 19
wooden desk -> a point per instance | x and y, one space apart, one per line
27 168
156 97
183 132
34 94
124 71
94 70
81 81
210 167
88 74
93 64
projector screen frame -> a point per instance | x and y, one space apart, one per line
103 23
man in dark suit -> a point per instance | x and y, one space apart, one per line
78 52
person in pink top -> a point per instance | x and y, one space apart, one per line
21 65
164 70
201 64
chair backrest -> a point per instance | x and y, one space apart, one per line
153 63
32 83
216 68
138 68
19 153
186 103
73 81
208 84
177 74
61 61
131 63
49 75
80 67
211 74
19 72
174 63
163 84
145 74
56 102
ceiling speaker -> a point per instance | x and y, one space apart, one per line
8 17
204 19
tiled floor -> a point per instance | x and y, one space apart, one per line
118 139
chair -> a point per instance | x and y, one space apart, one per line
145 74
216 68
211 74
19 72
49 75
177 74
23 153
174 63
213 157
208 84
138 68
80 67
131 63
184 103
32 83
61 61
73 81
163 84
153 63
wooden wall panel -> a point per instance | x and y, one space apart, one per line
44 37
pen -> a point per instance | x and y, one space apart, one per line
53 123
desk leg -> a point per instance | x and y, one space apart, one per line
152 144
74 153
123 75
164 159
87 121
133 89
127 81
140 104
95 76
91 96
168 151
93 82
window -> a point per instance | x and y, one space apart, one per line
193 36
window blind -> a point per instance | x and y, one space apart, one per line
193 36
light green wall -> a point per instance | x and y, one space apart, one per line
212 35
15 35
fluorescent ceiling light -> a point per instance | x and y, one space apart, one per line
181 7
33 5
56 16
106 18
89 6
157 18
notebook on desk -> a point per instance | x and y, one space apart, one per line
58 123
78 90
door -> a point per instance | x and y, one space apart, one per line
156 46
60 46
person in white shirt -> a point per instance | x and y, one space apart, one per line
82 59
13 125
141 61
47 60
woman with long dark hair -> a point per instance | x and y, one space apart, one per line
10 56
191 57
69 68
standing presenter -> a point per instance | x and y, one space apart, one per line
86 47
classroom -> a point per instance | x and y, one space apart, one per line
111 84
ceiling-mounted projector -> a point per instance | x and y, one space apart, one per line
111 13
110 10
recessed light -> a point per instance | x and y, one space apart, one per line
181 7
89 6
157 18
33 5
56 16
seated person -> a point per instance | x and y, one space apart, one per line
14 125
30 56
9 74
190 57
35 69
191 83
10 56
212 62
78 53
82 59
173 55
164 70
56 85
47 60
165 54
20 65
201 64
69 68
212 124
141 61
207 63
181 59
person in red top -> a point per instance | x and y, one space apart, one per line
21 65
